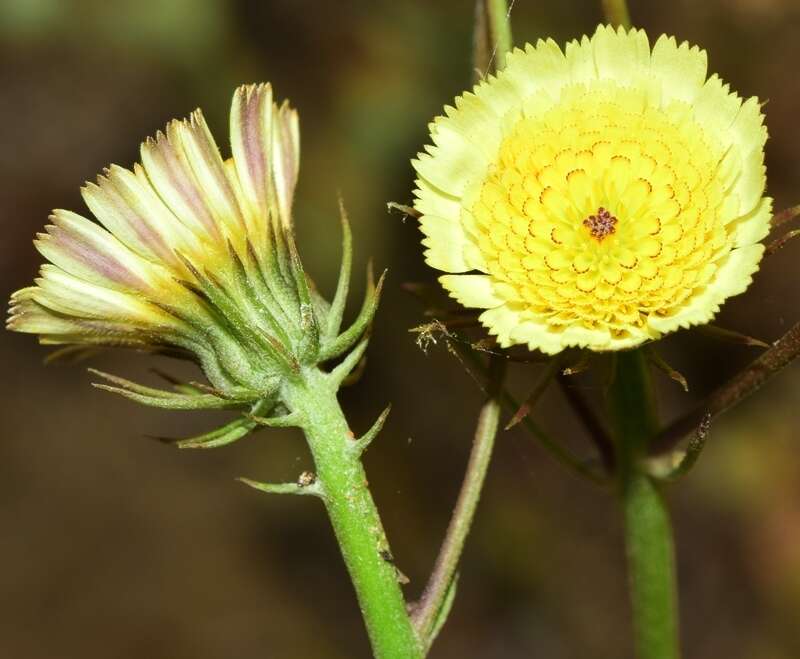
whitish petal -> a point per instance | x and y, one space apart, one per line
754 226
542 67
285 158
580 61
432 201
680 69
474 119
474 291
89 252
251 137
126 204
716 108
211 181
66 294
265 140
621 55
500 94
27 315
171 175
749 136
510 327
446 243
451 170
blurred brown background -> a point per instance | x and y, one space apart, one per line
114 546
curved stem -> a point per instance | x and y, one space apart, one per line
354 517
431 604
616 12
648 532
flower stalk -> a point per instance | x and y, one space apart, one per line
648 531
342 484
497 13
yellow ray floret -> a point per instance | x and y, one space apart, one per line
598 197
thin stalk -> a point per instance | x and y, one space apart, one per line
549 444
553 447
354 517
616 12
499 23
433 598
594 428
648 532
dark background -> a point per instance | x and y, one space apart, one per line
115 546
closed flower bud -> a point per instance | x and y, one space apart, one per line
195 255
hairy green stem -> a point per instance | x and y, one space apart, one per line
616 12
434 598
648 531
354 517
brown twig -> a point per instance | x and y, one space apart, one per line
780 243
783 352
784 216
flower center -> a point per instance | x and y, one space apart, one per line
601 224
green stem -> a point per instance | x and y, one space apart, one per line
616 12
648 531
499 30
354 517
428 613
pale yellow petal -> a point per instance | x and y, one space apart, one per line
681 69
445 240
538 68
474 291
621 55
754 226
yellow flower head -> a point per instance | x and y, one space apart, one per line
597 197
195 255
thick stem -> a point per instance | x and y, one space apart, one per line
648 532
354 516
616 12
436 591
651 565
